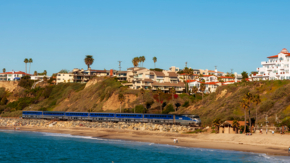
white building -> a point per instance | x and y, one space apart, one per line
64 78
12 75
276 68
39 77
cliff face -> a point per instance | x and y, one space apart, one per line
9 86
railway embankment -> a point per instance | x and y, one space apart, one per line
12 122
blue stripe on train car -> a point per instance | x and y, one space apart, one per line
76 114
102 115
124 115
180 117
54 113
32 112
158 116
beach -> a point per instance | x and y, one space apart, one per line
257 143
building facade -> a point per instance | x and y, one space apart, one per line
275 68
12 75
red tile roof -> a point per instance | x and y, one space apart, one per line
16 72
226 77
189 81
274 56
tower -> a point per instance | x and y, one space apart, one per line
119 65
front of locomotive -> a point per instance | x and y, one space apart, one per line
196 120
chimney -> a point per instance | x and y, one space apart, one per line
111 72
236 77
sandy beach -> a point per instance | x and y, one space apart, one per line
257 143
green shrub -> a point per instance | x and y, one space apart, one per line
140 109
186 104
169 108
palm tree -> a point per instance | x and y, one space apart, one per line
245 105
89 60
256 100
172 91
154 60
202 89
4 70
194 90
135 61
143 60
26 61
30 61
142 91
216 122
121 99
236 125
45 72
159 92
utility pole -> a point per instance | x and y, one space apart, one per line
185 64
267 122
231 71
119 65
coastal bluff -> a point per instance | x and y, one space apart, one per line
17 122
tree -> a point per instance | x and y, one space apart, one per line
35 73
194 90
142 91
121 99
216 122
236 125
30 61
154 60
172 91
45 72
245 104
159 92
256 100
202 89
26 61
89 60
245 75
63 71
4 70
45 79
135 61
143 60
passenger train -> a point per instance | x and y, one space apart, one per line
187 120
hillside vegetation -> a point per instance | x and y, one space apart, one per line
102 95
225 102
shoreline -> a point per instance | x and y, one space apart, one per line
209 141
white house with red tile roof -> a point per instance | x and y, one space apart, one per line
12 75
276 68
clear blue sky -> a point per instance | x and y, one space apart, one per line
57 34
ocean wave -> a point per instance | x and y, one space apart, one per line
69 136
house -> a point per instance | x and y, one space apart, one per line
211 72
12 75
121 75
227 127
139 77
39 77
64 78
275 68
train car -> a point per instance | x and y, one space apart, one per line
129 117
56 115
76 116
32 115
105 117
187 119
159 118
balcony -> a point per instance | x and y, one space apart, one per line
267 63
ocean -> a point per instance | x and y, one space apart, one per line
22 146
